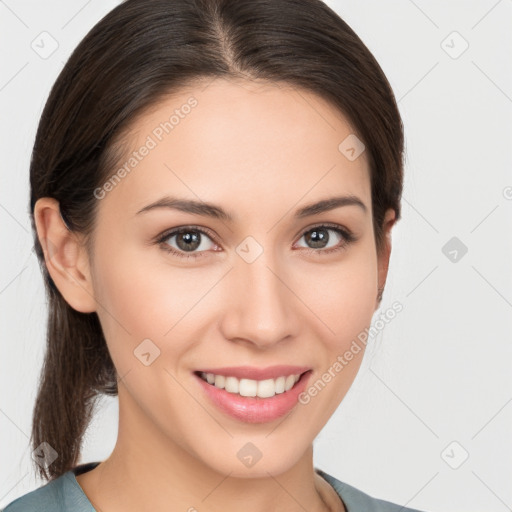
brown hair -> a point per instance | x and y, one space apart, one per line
137 54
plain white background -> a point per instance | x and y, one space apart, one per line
427 422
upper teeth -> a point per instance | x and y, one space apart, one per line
248 387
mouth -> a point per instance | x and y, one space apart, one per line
253 401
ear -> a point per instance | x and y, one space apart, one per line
383 257
65 256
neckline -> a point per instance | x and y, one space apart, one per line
89 466
84 468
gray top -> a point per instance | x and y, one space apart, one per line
64 494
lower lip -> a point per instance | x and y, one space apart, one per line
255 409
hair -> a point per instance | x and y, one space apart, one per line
139 53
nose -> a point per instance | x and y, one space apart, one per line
262 308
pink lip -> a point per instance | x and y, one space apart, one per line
255 409
251 372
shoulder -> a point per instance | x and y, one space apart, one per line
59 495
45 498
358 501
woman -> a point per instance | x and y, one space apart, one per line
213 187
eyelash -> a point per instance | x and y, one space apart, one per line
161 239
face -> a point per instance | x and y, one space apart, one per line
264 287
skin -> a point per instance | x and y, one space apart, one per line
261 151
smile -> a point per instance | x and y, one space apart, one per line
251 388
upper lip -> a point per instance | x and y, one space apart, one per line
254 373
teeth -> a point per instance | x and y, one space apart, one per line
248 387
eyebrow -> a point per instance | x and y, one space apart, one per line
217 212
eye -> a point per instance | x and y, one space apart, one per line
321 242
188 239
192 241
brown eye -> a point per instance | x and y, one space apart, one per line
188 240
193 241
319 238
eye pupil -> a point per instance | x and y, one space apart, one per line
319 237
185 238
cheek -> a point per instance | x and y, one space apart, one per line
343 295
145 297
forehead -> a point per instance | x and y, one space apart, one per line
240 143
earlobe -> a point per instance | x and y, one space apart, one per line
65 257
383 257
